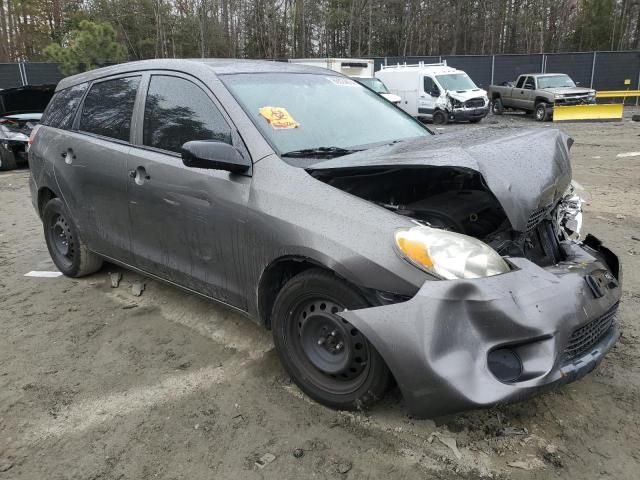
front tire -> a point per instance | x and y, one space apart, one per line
327 357
541 112
68 252
439 118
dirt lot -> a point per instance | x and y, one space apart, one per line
96 383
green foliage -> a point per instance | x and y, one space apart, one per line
93 44
593 25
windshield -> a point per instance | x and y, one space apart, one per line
374 84
309 111
456 81
556 81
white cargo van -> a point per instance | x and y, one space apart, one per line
359 69
436 92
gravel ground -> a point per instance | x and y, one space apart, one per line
96 383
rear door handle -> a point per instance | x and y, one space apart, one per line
68 156
139 174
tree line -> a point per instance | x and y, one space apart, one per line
139 29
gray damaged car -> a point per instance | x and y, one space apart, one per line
375 251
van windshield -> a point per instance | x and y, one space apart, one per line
298 113
456 81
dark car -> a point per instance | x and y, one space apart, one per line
375 251
20 110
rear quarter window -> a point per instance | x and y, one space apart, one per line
62 107
108 108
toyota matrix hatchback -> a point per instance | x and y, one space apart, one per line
375 251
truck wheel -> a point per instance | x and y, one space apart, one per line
68 251
496 107
439 117
541 112
7 160
327 357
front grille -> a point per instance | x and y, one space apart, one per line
587 335
535 218
474 103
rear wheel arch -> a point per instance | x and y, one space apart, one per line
45 194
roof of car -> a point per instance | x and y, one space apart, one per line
219 66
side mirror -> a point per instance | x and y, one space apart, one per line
577 84
214 155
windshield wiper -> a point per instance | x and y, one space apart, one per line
320 152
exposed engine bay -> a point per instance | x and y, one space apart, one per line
458 199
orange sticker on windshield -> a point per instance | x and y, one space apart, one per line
278 117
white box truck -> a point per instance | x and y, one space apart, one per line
436 92
351 67
359 69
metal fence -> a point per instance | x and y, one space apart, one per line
29 73
599 70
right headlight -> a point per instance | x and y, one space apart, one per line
449 255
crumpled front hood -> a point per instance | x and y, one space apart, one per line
524 169
463 96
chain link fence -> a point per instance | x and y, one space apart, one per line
599 70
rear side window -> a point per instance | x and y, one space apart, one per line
108 108
178 111
62 107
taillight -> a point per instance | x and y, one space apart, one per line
32 136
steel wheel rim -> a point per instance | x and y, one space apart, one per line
540 113
334 355
62 240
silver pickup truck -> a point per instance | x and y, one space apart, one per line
539 93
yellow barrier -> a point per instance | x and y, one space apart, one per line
604 111
618 94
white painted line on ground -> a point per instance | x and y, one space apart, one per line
41 274
628 154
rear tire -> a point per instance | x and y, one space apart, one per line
7 160
497 108
439 118
541 113
68 252
329 359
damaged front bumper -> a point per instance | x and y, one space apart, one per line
558 322
469 113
